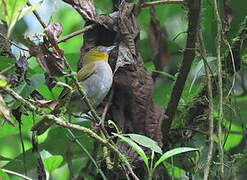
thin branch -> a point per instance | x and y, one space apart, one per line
131 172
211 107
87 28
86 151
189 54
108 103
37 16
82 93
59 121
234 68
219 73
154 3
13 43
23 149
7 69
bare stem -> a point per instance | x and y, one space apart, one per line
219 73
211 107
37 16
82 93
13 43
154 3
65 124
87 28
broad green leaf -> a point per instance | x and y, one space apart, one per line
36 81
3 175
12 10
2 158
5 62
146 142
173 152
3 81
53 162
135 146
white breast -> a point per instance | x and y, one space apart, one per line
96 86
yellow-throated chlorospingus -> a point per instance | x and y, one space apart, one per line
95 77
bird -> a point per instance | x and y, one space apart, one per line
96 79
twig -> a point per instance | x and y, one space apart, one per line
86 151
105 112
23 149
154 3
126 173
17 174
82 93
227 133
7 69
13 43
219 73
173 39
87 28
189 54
234 68
131 172
211 107
37 16
65 124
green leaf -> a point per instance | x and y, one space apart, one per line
146 142
173 152
53 162
135 146
199 68
29 9
3 175
13 9
3 81
36 81
2 158
6 62
165 74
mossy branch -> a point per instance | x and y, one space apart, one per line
59 121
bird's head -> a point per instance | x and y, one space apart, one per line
98 53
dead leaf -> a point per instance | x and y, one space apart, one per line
128 26
12 80
17 113
50 61
4 111
158 44
21 68
50 104
124 57
227 17
37 95
50 81
84 7
53 31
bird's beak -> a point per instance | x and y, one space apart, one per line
108 49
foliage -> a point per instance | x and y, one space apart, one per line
190 125
153 146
